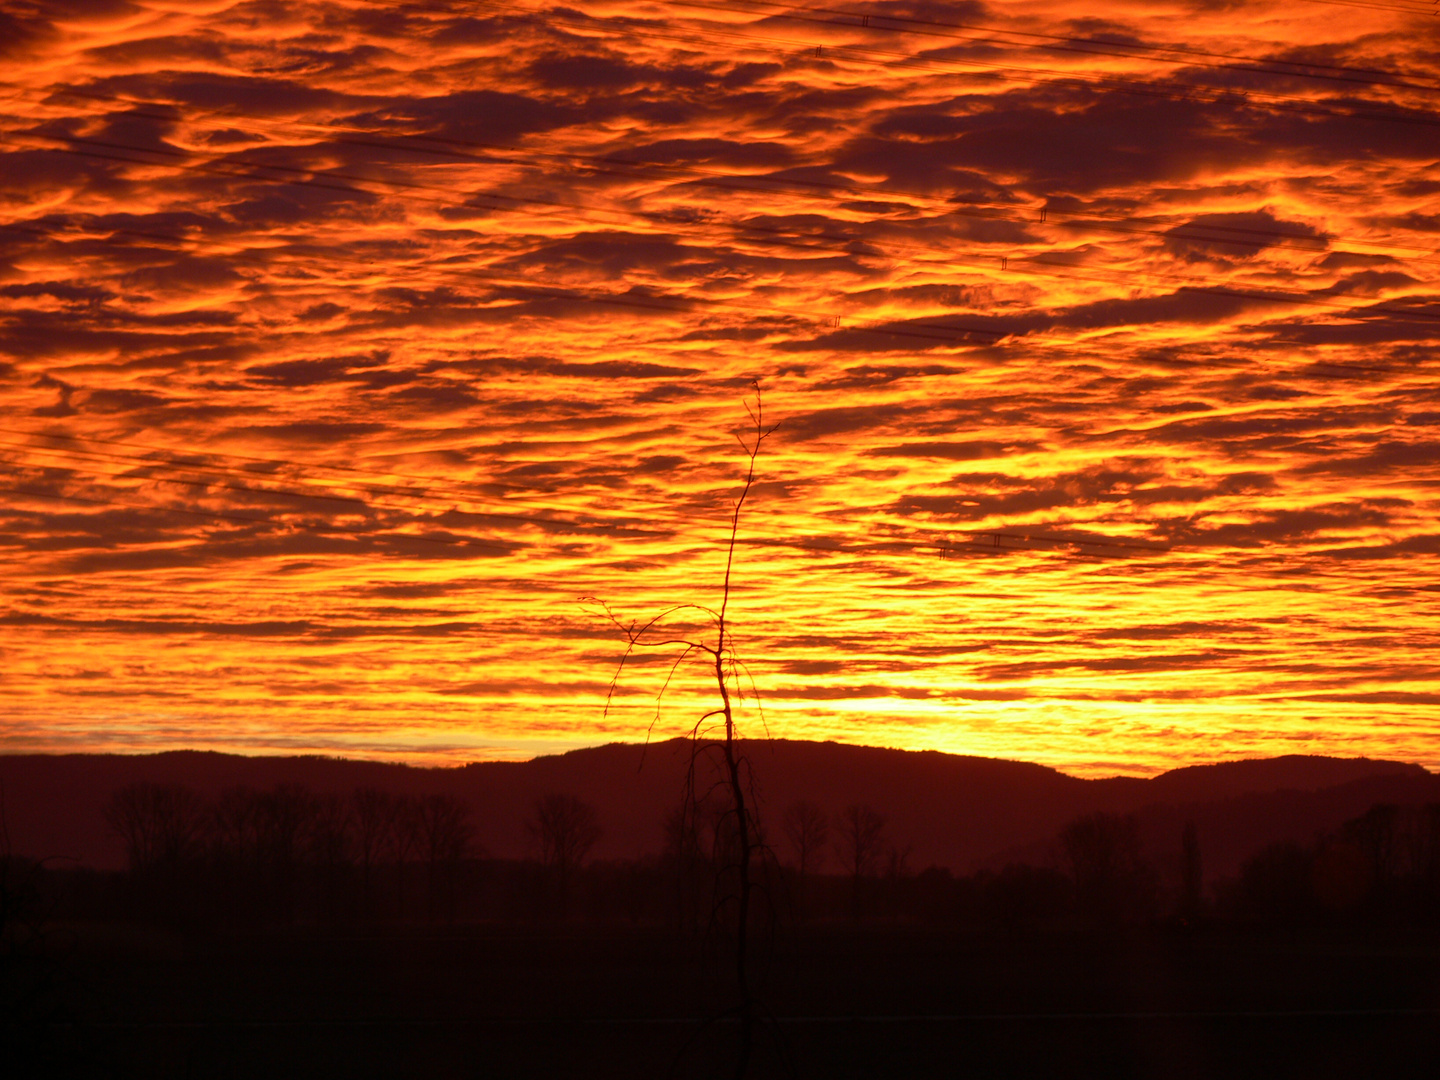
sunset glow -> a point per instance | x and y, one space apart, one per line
346 348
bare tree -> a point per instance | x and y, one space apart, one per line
698 632
373 815
285 817
284 823
565 830
688 860
1192 878
234 826
808 829
161 824
404 842
445 836
332 831
1112 881
443 827
331 847
19 900
860 839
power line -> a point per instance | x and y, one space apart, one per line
1409 9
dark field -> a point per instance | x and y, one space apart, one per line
630 1002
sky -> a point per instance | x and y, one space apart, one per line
360 361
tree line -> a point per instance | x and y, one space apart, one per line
291 855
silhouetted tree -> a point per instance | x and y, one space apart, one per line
331 837
1021 897
34 986
808 829
1191 873
331 844
1112 883
860 840
19 896
161 824
1275 884
565 829
286 815
717 654
1383 837
445 835
234 827
687 854
374 815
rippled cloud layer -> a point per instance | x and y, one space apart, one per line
346 348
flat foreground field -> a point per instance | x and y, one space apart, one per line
837 1001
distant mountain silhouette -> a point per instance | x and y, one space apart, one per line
947 810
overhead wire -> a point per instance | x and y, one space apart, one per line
1409 9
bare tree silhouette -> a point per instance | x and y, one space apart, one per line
698 632
372 813
445 837
565 830
1112 882
1191 873
161 824
285 817
332 845
860 838
808 829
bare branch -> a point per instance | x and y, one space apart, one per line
736 832
660 697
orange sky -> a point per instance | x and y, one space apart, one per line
344 347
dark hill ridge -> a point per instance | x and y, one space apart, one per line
1293 772
947 809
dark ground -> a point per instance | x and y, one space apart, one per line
624 1002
